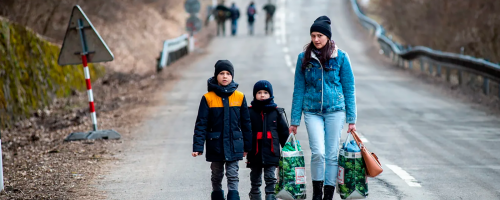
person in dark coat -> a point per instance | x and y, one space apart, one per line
223 123
221 13
270 10
269 131
235 15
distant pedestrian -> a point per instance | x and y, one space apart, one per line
251 12
235 15
324 91
269 131
221 13
223 123
270 10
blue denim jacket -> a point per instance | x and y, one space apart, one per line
324 91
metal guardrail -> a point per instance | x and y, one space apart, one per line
433 58
173 50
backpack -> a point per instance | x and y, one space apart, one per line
222 14
281 111
251 10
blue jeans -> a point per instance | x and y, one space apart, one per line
324 131
234 27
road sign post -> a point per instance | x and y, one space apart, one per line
193 23
82 45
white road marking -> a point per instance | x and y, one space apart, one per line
288 60
363 139
412 182
281 21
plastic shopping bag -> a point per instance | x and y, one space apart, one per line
352 181
291 171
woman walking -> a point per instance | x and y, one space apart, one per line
324 91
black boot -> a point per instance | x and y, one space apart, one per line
270 197
255 196
317 190
233 195
218 195
329 191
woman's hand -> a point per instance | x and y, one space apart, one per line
293 129
194 154
352 127
245 154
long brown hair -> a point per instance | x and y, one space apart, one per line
325 53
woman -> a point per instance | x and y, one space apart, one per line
324 90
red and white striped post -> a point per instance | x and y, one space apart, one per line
86 71
83 41
89 92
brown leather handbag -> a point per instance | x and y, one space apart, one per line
373 166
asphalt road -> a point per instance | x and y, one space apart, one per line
432 146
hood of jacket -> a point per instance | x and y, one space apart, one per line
221 91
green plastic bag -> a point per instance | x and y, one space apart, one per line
352 181
291 171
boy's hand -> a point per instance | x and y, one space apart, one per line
292 129
194 154
245 154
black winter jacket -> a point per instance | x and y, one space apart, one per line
223 123
266 147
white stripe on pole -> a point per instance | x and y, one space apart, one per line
86 72
94 119
91 97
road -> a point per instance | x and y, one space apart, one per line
432 146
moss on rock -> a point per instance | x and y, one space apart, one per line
29 74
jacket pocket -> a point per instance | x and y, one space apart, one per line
238 142
275 143
214 142
339 93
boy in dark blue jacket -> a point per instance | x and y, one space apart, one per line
269 131
223 122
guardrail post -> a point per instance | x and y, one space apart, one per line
460 77
438 70
486 86
422 65
448 72
191 42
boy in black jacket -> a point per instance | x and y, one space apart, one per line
223 123
269 130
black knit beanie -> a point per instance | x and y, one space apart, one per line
322 25
222 65
263 85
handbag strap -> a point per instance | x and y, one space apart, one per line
357 139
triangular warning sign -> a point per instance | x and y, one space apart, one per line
82 38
